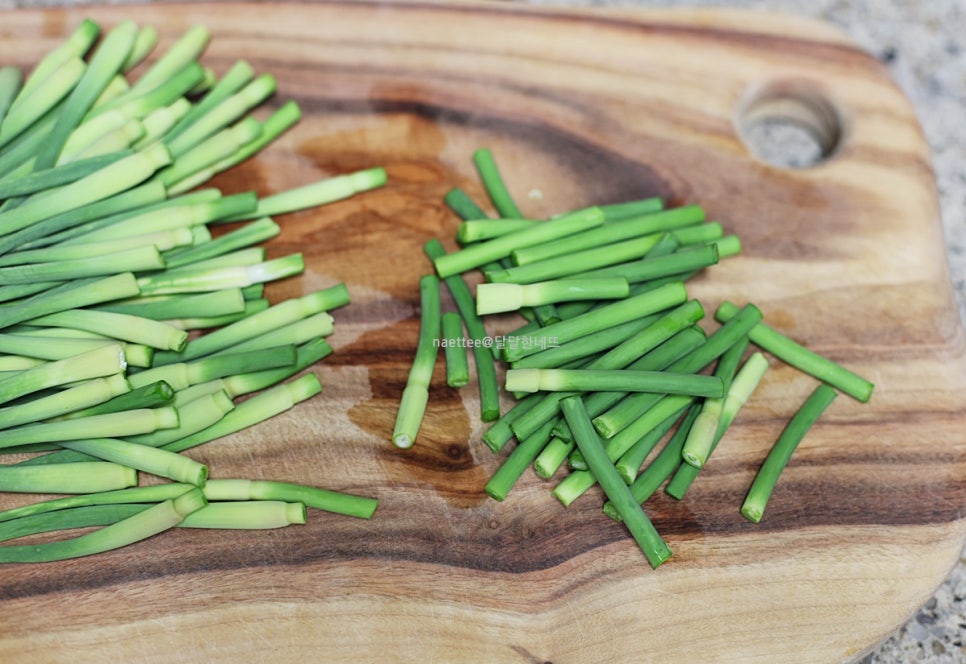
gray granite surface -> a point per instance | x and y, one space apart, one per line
924 45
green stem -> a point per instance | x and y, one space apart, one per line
649 268
123 327
552 457
111 425
496 298
186 280
477 229
740 391
147 396
135 528
246 515
602 380
110 180
781 452
73 294
250 234
802 358
608 316
640 527
415 395
103 361
275 317
131 260
485 252
86 477
652 224
215 303
143 494
481 342
253 410
576 263
84 395
520 458
493 183
152 460
454 348
185 50
662 467
321 499
634 208
594 343
626 411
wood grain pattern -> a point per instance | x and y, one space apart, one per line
580 108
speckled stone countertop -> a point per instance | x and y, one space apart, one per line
924 45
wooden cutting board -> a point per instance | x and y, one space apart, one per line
579 108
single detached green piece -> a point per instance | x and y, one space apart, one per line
415 395
454 349
322 192
585 436
162 463
464 206
633 208
781 452
575 263
361 507
802 358
493 183
496 298
599 380
476 229
520 458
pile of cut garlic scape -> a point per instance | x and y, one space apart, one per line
129 331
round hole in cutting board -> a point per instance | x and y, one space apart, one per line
790 124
